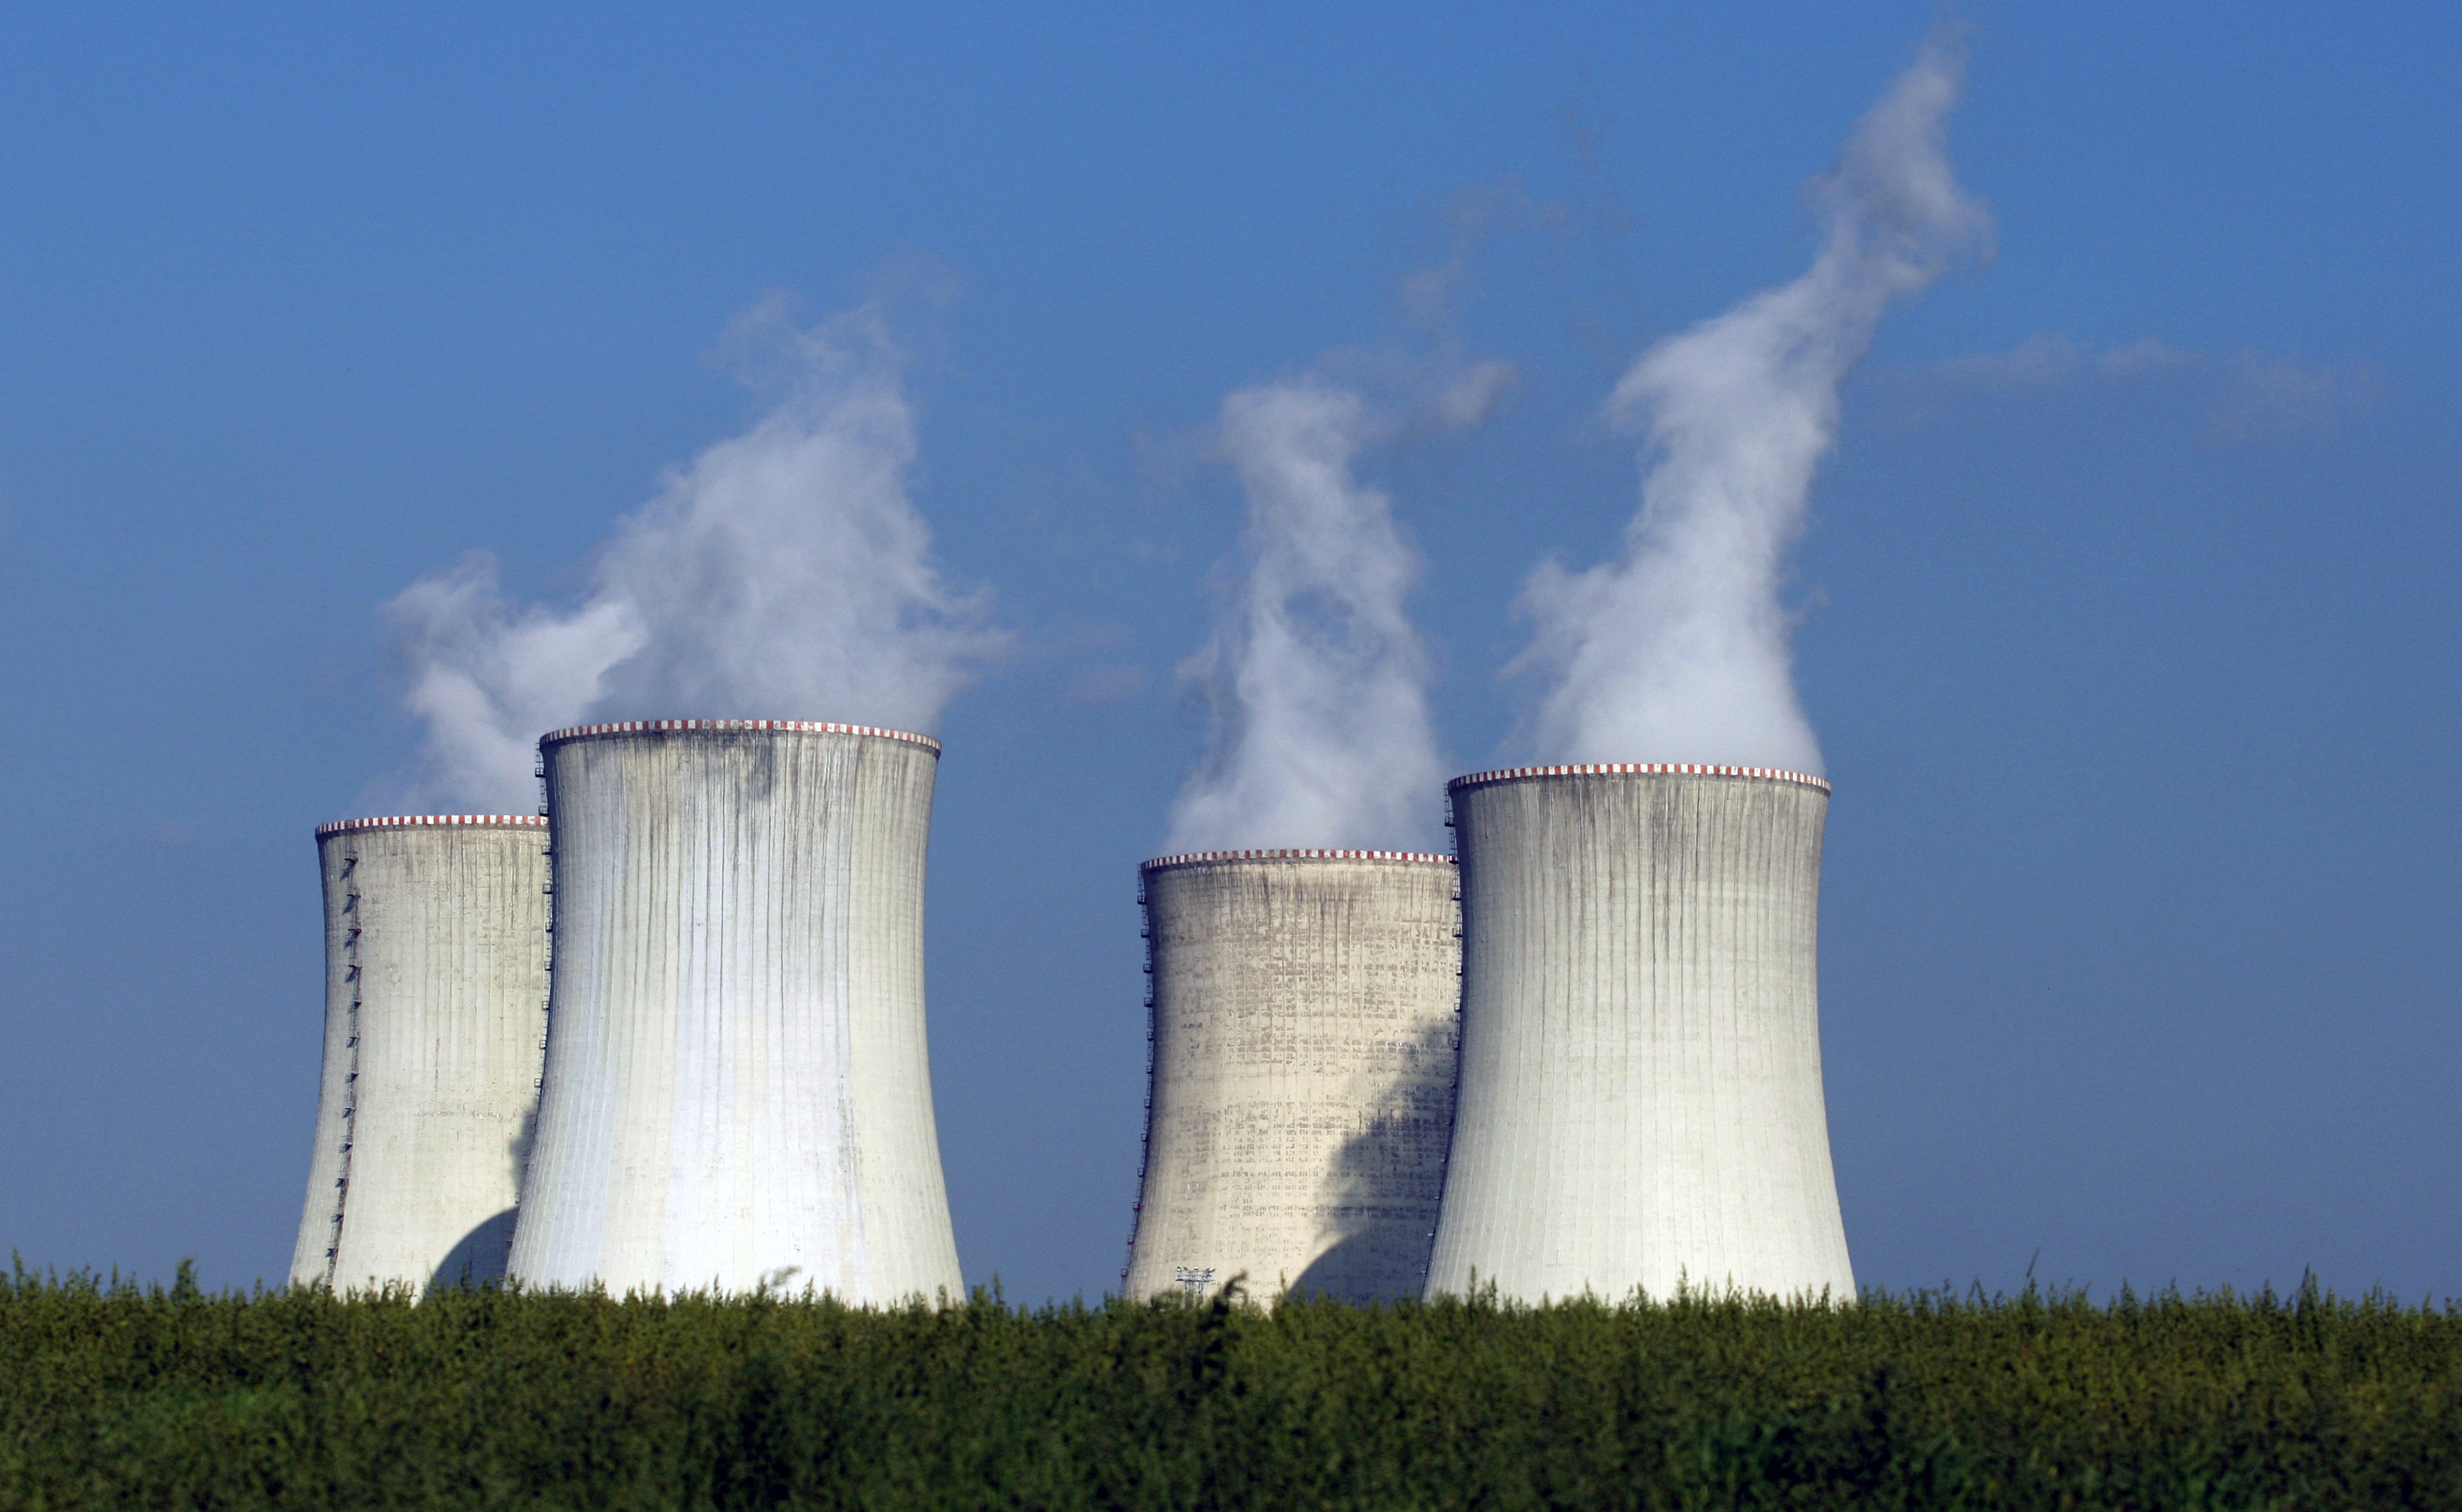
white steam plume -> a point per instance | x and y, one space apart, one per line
783 574
1678 650
1316 678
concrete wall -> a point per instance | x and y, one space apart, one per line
434 1009
1303 1007
1641 1097
737 1090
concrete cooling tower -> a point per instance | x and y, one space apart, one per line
1302 1025
1641 1100
737 1093
435 1008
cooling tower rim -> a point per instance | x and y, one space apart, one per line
1482 779
415 821
1214 857
780 726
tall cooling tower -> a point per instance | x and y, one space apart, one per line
435 1006
1641 1098
1302 1024
737 1090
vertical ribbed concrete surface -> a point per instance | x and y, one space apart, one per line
1303 1007
1641 1099
737 1090
435 1006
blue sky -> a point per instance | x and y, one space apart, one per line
2129 629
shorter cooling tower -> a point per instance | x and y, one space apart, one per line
1641 1101
1302 1011
435 1008
737 1093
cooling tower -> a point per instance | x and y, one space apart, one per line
1303 1020
737 1091
435 1005
1640 1099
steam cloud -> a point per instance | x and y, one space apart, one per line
1678 650
784 574
1316 678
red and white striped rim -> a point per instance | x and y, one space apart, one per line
785 727
1201 858
412 821
1480 779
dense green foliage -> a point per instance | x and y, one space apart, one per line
112 1396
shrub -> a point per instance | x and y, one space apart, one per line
114 1395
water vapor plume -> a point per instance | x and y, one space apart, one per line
783 574
1315 677
1678 649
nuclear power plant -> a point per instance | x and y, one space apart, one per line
435 1006
670 1037
1641 1098
1302 1025
737 1090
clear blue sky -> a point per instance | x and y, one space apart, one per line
2133 654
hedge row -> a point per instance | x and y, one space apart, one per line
113 1395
